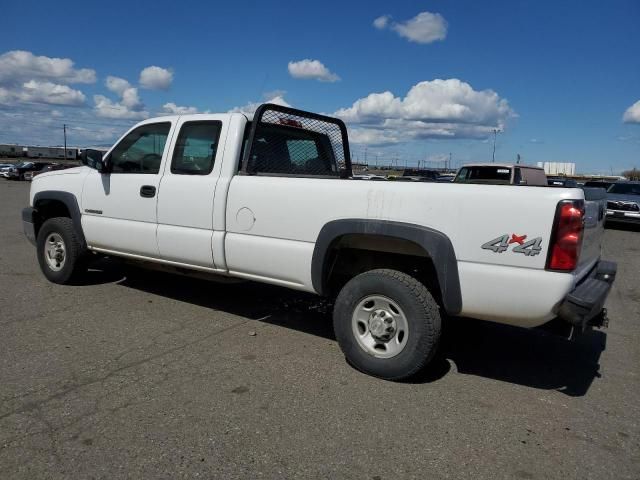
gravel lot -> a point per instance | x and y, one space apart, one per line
147 375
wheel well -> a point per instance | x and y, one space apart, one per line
49 209
353 254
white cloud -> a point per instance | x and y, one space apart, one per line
129 106
36 91
106 108
431 109
116 84
632 114
250 108
18 66
173 109
381 22
156 78
26 78
308 69
128 94
426 27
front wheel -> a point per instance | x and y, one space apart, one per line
60 252
387 324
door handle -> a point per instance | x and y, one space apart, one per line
147 191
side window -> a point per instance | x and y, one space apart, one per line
141 150
195 151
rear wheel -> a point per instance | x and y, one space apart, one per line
387 324
61 256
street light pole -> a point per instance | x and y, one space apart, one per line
495 134
64 129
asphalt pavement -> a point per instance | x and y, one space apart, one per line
137 374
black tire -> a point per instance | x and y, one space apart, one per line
422 317
75 254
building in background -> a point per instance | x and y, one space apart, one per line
52 152
11 150
558 168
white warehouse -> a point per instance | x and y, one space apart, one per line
51 152
558 168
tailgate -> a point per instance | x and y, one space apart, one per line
595 209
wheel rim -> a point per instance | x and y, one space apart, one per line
55 252
380 326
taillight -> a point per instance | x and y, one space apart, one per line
566 236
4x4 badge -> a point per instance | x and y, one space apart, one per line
501 244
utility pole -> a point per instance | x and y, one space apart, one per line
449 165
495 134
64 130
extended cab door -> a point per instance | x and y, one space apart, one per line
187 189
119 207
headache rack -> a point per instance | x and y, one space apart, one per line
284 141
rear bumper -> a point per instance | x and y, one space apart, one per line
28 224
623 216
585 304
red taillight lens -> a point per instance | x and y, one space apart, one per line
566 237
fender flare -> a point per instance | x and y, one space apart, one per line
437 245
70 201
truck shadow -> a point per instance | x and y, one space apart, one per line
532 358
622 226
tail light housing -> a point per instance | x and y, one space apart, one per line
566 236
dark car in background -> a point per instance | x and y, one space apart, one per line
598 184
623 202
17 171
562 182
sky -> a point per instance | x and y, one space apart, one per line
414 81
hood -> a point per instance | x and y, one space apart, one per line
68 171
621 197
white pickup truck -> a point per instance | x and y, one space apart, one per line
271 198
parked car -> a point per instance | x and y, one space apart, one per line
17 171
445 178
562 182
623 202
28 176
368 177
501 174
598 184
4 169
285 210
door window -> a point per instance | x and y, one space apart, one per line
195 151
141 150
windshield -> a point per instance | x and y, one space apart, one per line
24 164
493 175
625 188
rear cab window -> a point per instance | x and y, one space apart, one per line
284 149
484 174
287 142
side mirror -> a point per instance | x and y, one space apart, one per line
93 159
